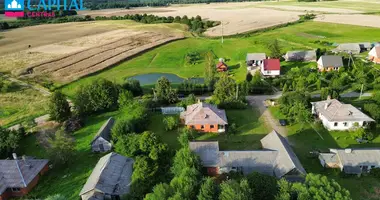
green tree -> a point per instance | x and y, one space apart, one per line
152 146
208 190
9 140
125 98
162 88
263 187
56 197
184 158
128 145
284 190
285 88
160 192
210 70
189 100
225 90
233 190
299 113
62 148
373 110
133 86
98 96
248 77
170 122
186 135
122 127
59 108
274 49
186 183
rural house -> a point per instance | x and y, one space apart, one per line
338 116
276 159
205 117
110 179
254 59
19 176
328 63
351 161
301 56
374 54
102 140
221 66
352 48
270 67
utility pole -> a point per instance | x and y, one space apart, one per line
361 92
222 33
237 91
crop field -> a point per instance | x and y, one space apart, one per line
170 58
69 60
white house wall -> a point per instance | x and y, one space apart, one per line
270 72
106 145
340 125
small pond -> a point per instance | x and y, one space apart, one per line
151 79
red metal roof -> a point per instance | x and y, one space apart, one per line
272 64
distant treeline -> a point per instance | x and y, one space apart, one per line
196 24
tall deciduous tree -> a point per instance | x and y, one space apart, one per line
225 90
209 190
275 49
186 183
162 88
160 191
62 147
184 158
59 108
233 190
9 140
210 70
263 187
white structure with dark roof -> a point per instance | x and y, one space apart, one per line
111 178
352 48
328 63
254 60
338 116
351 161
102 140
276 159
374 54
310 55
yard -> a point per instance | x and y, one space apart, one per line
307 139
250 130
170 58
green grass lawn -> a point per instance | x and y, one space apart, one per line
306 140
23 104
250 130
170 58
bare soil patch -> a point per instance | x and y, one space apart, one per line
357 19
312 9
75 65
236 17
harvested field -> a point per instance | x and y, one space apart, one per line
357 19
76 65
312 9
236 17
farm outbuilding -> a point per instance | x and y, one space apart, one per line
102 140
374 54
301 56
328 63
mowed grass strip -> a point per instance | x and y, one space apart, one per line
170 58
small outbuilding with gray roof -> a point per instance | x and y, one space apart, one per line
329 63
353 48
111 178
102 140
351 161
276 159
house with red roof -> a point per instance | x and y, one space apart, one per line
270 67
221 66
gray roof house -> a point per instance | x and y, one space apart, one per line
111 178
310 55
254 59
338 116
102 140
327 63
275 159
20 175
353 48
351 161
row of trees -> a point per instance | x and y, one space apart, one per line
196 24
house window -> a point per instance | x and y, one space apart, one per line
191 126
335 123
211 126
345 123
16 189
268 72
202 126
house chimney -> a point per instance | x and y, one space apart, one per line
326 105
348 150
14 156
25 161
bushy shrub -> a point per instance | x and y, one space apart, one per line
170 122
193 57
